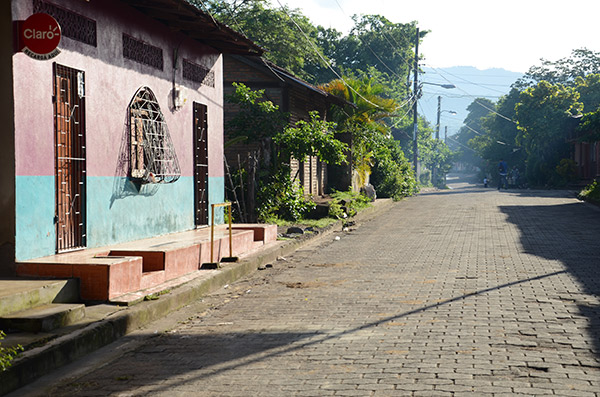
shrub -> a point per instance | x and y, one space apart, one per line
8 354
280 197
591 193
392 174
425 178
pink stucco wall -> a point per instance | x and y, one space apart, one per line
111 81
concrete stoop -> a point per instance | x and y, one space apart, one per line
39 305
105 323
19 294
44 318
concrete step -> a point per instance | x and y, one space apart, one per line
17 294
44 318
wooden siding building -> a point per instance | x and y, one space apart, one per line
293 96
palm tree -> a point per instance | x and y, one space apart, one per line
368 117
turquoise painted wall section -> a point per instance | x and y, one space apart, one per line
216 195
118 212
35 229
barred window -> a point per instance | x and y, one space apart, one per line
142 52
198 73
152 157
72 25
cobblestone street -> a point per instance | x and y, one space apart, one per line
468 291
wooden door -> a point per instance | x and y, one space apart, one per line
200 165
69 128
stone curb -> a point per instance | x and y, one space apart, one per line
40 361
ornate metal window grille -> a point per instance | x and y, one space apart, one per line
72 25
142 52
152 155
198 73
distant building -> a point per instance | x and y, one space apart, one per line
296 97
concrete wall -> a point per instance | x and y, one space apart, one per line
115 210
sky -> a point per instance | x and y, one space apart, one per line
507 34
504 34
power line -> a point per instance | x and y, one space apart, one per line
477 132
385 36
496 113
477 102
323 58
460 144
470 82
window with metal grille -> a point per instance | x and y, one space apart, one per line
152 155
198 73
72 25
142 52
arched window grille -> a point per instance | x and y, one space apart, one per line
152 155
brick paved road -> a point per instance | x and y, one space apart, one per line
449 293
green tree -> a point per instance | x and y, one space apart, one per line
272 29
588 88
499 139
257 121
364 120
563 71
369 123
312 138
542 114
473 128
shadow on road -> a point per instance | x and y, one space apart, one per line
181 359
567 233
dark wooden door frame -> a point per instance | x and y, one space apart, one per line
70 158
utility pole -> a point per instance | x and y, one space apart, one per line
415 116
437 126
434 172
446 135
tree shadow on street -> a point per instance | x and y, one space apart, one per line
568 233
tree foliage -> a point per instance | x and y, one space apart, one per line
312 138
257 119
542 114
565 71
272 29
375 42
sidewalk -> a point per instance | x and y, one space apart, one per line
107 323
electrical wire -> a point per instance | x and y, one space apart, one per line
409 63
460 144
477 132
323 58
475 101
209 13
239 27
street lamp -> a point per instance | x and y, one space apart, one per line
439 113
447 86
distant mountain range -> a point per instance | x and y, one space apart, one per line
470 83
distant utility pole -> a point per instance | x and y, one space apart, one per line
437 126
415 117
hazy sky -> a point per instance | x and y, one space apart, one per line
508 34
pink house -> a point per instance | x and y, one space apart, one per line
117 137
